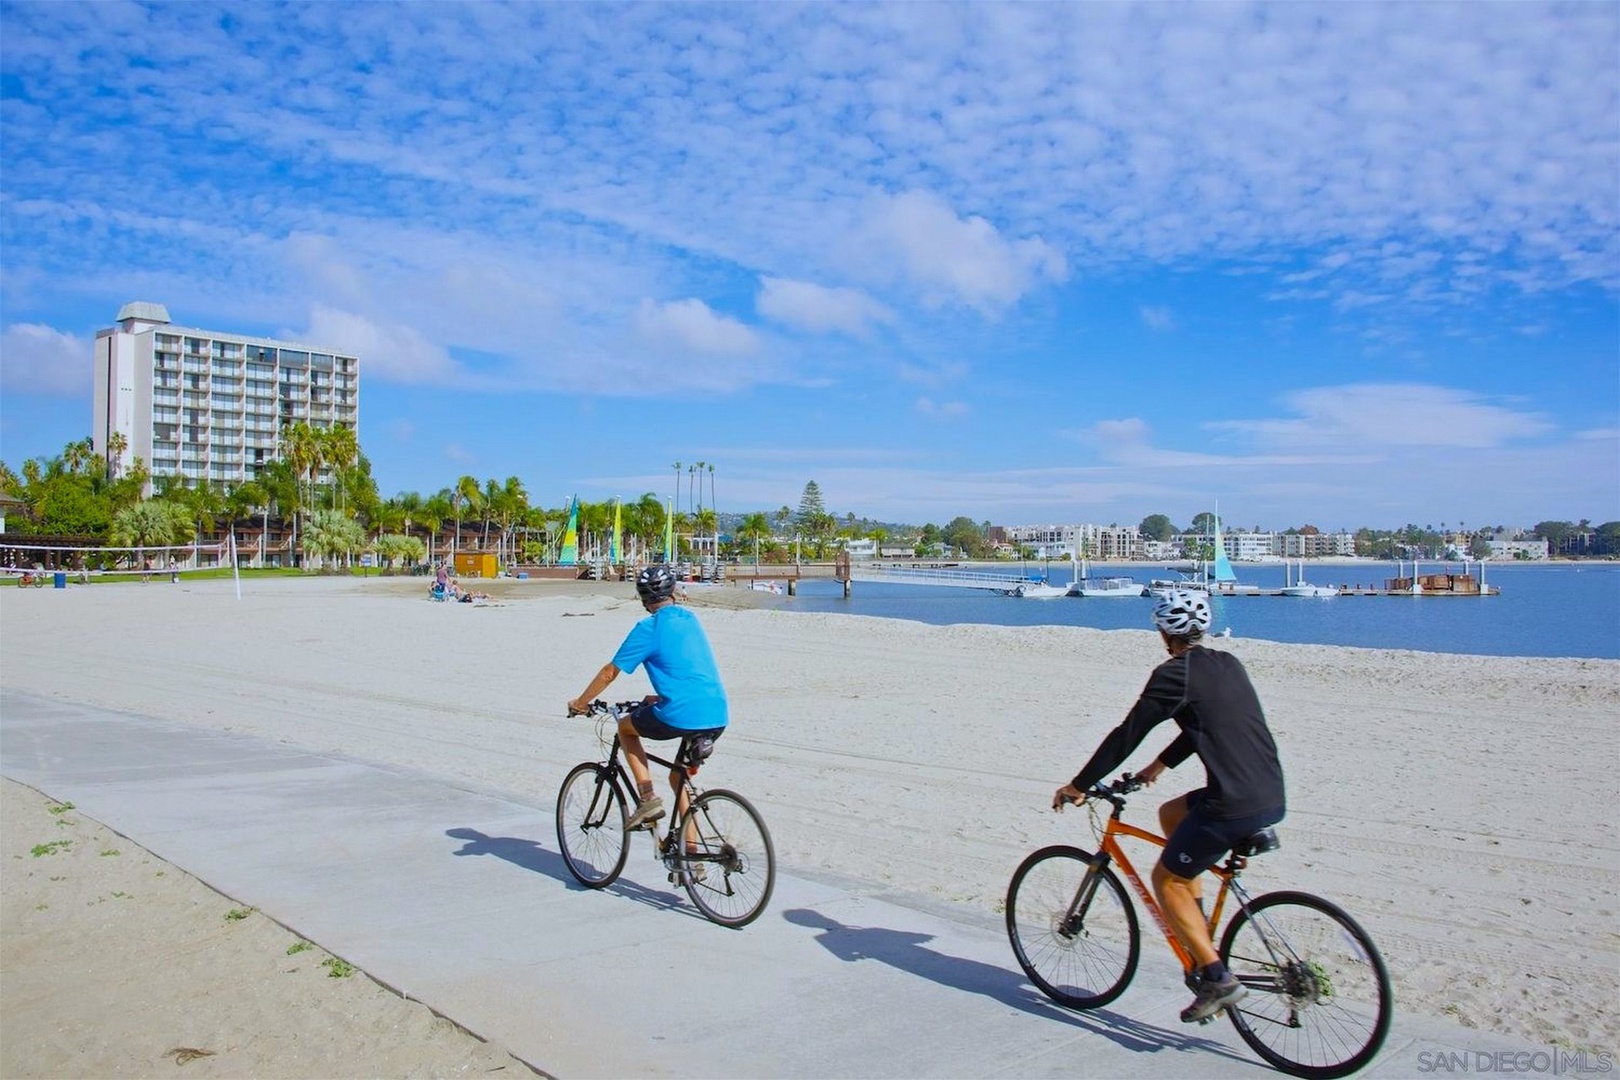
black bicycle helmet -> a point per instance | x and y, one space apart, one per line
655 583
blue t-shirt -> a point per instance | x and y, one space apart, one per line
680 666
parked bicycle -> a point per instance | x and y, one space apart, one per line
716 845
1318 1002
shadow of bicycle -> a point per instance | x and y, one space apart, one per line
531 856
905 951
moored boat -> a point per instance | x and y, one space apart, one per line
1107 586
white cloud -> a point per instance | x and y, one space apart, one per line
691 325
943 410
1382 415
37 359
387 352
1157 318
820 309
952 259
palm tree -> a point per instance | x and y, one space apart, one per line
755 527
432 515
116 445
152 523
491 499
465 498
340 447
332 534
245 499
300 449
514 506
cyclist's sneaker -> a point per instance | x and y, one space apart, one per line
649 811
1212 998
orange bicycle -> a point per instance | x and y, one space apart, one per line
1318 1002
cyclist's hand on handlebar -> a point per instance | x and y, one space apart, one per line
1066 794
579 707
1150 773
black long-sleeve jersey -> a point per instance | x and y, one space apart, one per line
1208 694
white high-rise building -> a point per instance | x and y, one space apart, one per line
206 405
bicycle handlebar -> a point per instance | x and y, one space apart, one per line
599 706
1116 792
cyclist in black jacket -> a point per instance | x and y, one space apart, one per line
1209 696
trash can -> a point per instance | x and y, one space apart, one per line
60 580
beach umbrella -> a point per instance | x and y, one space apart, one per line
669 533
618 523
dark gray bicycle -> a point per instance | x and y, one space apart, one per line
717 847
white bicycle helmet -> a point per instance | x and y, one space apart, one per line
1182 613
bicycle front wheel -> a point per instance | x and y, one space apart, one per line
1319 1001
730 865
1072 928
590 825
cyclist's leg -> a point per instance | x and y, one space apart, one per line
678 784
1197 844
630 725
1171 815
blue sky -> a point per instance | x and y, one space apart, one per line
1345 264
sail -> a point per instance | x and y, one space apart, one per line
669 532
1223 565
618 523
569 556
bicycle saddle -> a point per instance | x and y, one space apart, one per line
1259 843
696 749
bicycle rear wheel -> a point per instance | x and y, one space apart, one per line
731 870
1319 1001
1072 928
590 825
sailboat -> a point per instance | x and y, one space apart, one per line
1221 578
568 555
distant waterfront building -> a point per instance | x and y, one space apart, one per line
1100 542
1532 548
207 405
1315 545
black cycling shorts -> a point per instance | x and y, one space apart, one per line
1200 841
648 726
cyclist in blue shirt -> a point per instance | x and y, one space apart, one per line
688 697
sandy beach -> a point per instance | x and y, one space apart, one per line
1464 808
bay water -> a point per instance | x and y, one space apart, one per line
1547 609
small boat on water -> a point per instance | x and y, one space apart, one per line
1037 590
1086 585
1303 587
1161 586
1106 586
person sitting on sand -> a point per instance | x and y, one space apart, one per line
689 698
1210 697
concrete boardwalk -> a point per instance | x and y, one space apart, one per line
458 899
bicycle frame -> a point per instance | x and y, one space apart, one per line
1111 851
687 791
